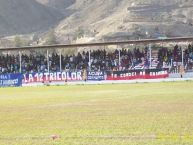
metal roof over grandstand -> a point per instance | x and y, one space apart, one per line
142 41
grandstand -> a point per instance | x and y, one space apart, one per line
97 60
127 58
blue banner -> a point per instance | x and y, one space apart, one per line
10 80
95 76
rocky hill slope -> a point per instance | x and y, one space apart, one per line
26 16
99 19
129 19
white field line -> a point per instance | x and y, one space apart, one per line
131 137
111 82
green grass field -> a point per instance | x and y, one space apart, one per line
136 114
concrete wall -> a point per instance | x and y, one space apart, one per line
177 75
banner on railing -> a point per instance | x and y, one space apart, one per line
95 76
137 74
18 79
52 77
10 80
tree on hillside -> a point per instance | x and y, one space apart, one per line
20 41
51 38
17 41
79 33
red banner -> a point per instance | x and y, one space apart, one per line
137 74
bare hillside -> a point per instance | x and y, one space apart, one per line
98 19
25 16
60 5
124 19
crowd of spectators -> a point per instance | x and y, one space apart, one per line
124 59
173 57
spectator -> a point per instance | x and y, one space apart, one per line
100 60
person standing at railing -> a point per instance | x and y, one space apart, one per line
84 76
182 71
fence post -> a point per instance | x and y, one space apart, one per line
150 55
20 62
119 59
182 57
89 60
48 65
60 60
